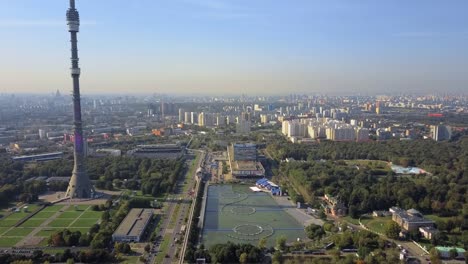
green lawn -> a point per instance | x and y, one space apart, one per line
174 216
351 220
44 214
71 215
19 231
377 224
53 208
130 260
85 219
8 222
78 208
33 223
60 222
92 214
9 241
3 229
46 232
85 222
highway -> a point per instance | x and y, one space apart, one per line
177 206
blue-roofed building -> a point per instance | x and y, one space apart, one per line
270 186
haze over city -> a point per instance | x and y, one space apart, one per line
234 47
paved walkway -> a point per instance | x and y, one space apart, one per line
298 214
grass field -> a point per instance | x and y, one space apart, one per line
3 229
130 260
80 219
9 241
234 213
377 224
351 220
19 231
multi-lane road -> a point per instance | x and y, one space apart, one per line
177 206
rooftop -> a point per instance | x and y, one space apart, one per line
134 223
411 215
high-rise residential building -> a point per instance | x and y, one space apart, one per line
42 134
80 186
264 119
285 127
243 127
187 118
362 134
193 118
181 115
202 119
220 120
441 132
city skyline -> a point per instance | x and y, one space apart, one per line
235 47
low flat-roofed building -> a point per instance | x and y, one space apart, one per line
39 157
161 151
409 220
133 226
247 169
445 252
428 231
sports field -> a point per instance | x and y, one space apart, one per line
234 213
37 229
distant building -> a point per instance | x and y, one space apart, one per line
187 118
181 115
441 133
109 152
410 220
428 232
334 206
193 118
39 157
42 134
220 120
133 226
245 151
264 119
243 127
270 186
381 213
161 151
445 252
243 161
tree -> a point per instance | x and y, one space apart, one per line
453 253
336 253
281 243
262 243
314 231
147 248
243 258
277 257
434 255
392 230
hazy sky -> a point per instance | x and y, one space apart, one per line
237 46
